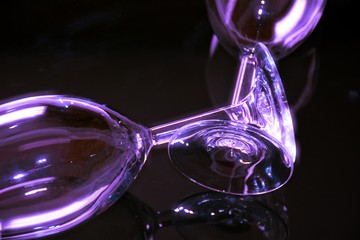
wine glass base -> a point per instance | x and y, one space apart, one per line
230 157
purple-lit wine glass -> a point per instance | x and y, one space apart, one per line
65 159
252 152
241 27
282 25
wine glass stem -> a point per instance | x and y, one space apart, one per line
245 78
162 133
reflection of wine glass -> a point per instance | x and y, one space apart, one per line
210 215
128 218
282 25
218 216
300 75
65 159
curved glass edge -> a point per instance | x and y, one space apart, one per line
30 107
271 73
189 131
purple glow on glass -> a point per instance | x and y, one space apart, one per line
289 21
55 100
40 161
41 218
213 45
27 184
44 143
35 191
239 153
271 115
75 155
139 141
63 136
280 25
21 115
91 154
229 9
19 175
163 132
185 210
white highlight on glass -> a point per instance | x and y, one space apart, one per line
229 11
35 191
18 176
22 114
35 220
291 19
41 161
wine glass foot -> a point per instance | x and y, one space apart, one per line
230 157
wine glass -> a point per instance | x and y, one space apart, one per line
255 151
282 25
65 159
240 25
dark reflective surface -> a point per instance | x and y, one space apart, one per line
213 215
150 59
209 215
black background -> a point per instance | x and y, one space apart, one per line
150 60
